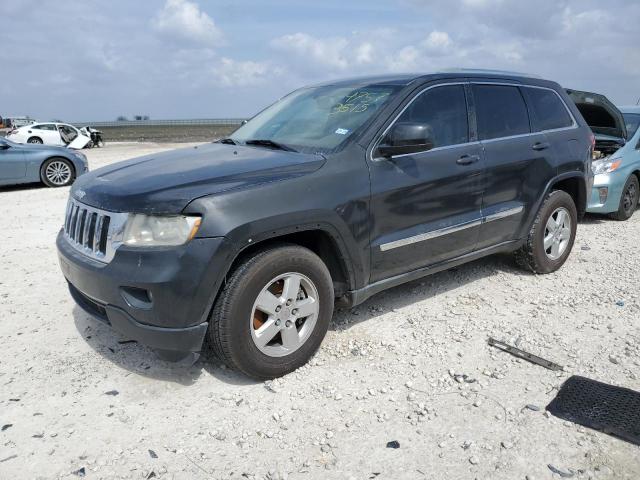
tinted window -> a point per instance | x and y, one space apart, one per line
45 126
443 110
547 110
501 111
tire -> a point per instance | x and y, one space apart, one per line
236 318
57 172
533 256
36 140
628 200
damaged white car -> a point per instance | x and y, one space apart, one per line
50 133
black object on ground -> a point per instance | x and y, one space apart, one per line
529 357
5 427
562 473
80 473
153 454
113 393
597 405
393 444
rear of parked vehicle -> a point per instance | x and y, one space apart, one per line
334 193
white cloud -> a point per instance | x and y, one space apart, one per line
438 41
182 19
233 73
335 54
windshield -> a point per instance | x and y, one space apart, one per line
632 120
317 119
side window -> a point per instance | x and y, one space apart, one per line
440 113
501 111
44 126
547 110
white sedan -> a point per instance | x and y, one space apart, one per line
59 134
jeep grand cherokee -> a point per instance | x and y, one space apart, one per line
333 193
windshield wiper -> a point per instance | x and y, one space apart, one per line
270 143
228 141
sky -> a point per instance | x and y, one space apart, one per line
94 60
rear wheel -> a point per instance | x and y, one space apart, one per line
273 312
36 140
57 172
551 236
628 199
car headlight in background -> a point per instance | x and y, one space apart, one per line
156 231
606 165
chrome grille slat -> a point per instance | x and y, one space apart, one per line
97 235
92 231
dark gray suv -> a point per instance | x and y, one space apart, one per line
332 194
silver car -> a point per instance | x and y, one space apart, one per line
28 163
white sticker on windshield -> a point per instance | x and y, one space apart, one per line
342 131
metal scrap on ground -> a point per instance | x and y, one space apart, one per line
529 357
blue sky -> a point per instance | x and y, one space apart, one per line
95 60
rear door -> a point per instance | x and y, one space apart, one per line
519 162
47 132
426 205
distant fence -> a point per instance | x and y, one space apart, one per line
163 123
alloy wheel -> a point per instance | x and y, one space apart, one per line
557 233
284 314
58 173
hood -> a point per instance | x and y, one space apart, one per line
600 114
166 182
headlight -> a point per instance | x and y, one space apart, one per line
606 165
155 231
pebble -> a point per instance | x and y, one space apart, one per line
474 460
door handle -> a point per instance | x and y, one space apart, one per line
467 159
540 146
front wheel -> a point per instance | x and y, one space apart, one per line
551 236
273 312
35 140
628 200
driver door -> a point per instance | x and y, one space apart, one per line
13 165
426 204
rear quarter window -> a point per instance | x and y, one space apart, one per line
548 112
501 111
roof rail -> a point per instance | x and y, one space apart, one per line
485 71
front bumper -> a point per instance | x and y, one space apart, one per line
613 187
160 297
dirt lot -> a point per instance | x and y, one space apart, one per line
75 398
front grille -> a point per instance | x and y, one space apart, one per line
91 230
87 228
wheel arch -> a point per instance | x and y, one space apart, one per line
35 136
575 186
319 238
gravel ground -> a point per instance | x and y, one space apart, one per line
78 400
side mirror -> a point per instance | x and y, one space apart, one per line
405 138
4 146
244 122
